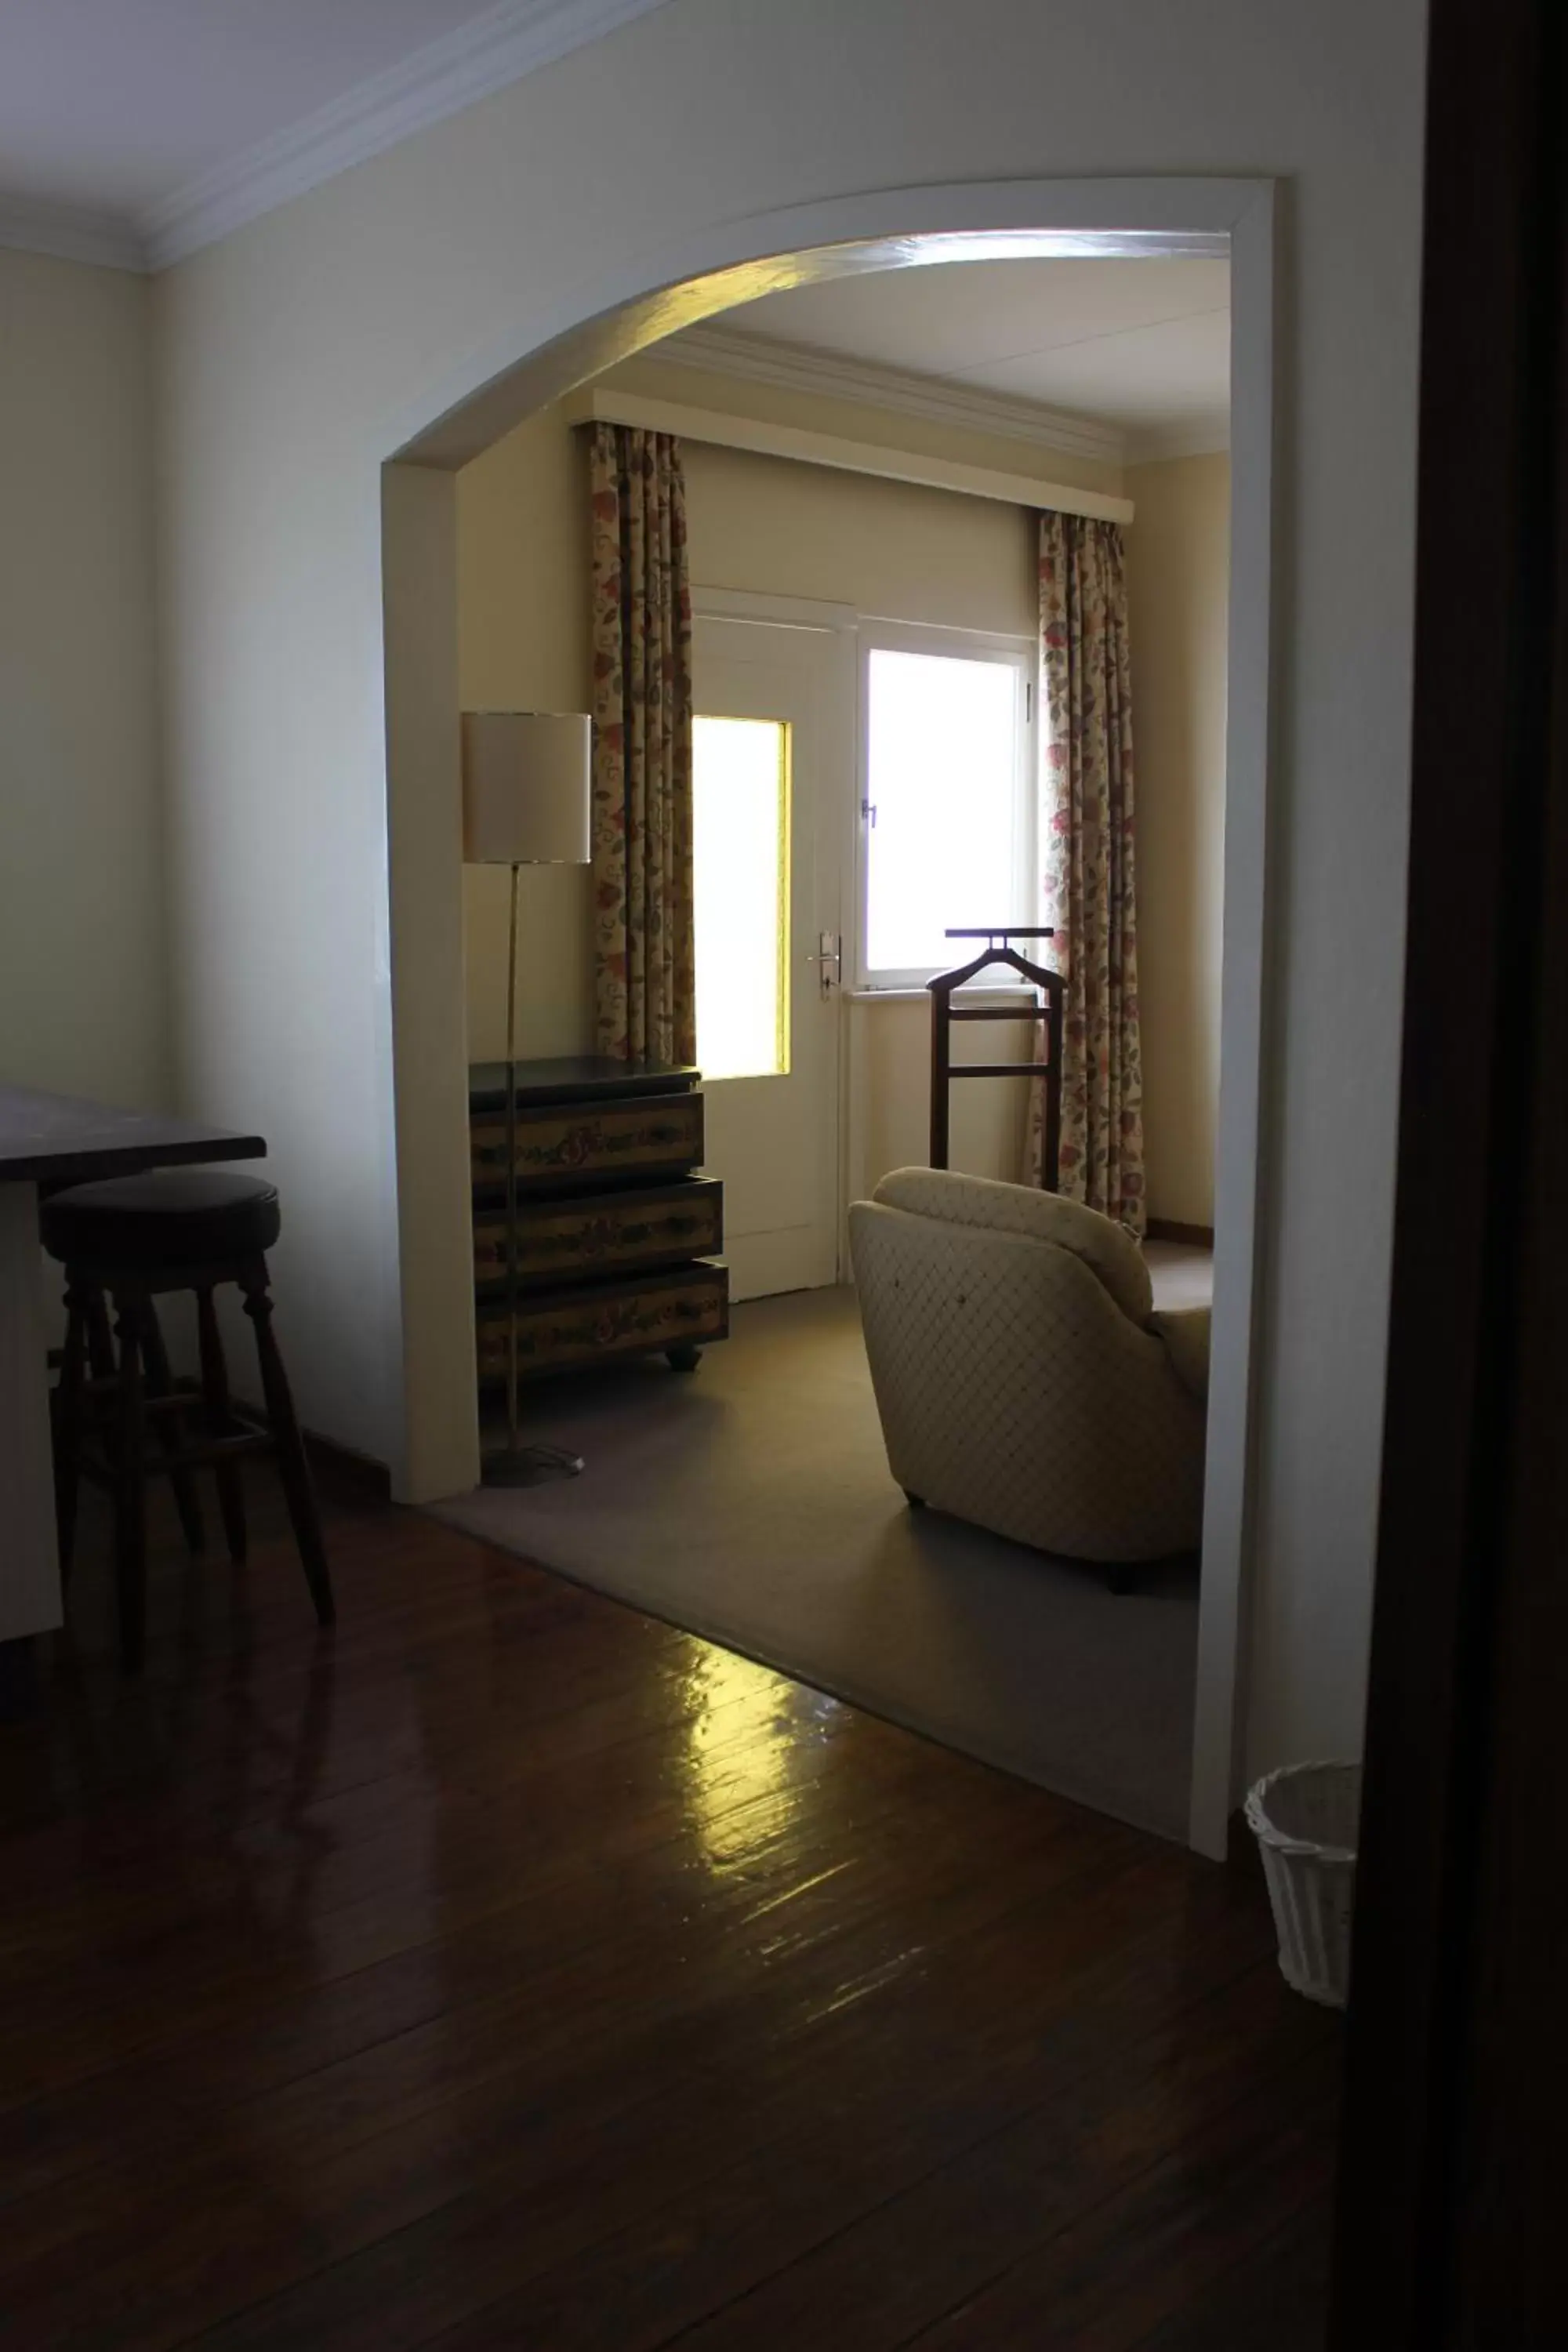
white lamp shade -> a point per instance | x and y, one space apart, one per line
525 788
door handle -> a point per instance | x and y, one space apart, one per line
828 957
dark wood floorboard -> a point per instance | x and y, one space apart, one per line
504 1969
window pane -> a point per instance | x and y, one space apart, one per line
740 837
942 781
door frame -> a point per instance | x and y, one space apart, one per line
635 300
840 625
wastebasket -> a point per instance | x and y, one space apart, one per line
1305 1818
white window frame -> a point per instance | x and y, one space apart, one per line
1022 655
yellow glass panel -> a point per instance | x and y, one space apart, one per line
741 853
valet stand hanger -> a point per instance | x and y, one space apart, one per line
1047 1007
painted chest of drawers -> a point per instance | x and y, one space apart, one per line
618 1235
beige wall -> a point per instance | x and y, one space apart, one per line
903 554
886 548
298 355
890 1095
83 995
776 527
1177 578
523 627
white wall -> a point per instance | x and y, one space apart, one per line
1178 573
298 355
83 993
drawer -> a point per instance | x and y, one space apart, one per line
562 1331
558 1144
602 1234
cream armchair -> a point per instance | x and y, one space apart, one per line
1023 1378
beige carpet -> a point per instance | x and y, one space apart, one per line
750 1502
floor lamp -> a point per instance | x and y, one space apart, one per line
526 802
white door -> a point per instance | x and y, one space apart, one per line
773 753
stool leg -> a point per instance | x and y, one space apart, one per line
100 1338
218 1417
99 1407
67 1423
160 1383
130 1525
294 1469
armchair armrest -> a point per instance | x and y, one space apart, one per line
1185 1332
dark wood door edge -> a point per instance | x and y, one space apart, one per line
1450 2170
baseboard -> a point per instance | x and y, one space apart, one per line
1165 1229
339 1466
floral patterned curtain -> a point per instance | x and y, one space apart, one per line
644 931
1088 865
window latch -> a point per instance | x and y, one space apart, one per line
868 810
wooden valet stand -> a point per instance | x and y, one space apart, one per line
1047 1007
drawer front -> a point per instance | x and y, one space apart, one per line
568 1329
602 1234
557 1143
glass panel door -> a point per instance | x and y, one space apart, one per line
741 828
773 754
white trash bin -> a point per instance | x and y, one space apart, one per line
1305 1818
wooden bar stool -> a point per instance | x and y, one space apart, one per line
129 1241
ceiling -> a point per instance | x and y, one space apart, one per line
132 132
152 125
1142 346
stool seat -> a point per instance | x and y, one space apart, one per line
168 1218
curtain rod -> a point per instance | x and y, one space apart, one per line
603 405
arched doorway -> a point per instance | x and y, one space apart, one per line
636 305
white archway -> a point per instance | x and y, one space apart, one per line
633 305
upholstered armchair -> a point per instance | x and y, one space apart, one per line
1023 1378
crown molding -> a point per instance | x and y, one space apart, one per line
1198 436
496 48
508 41
70 233
799 367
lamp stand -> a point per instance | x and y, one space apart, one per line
516 1465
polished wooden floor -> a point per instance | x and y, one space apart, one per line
507 1970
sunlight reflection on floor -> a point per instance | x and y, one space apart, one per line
744 1728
